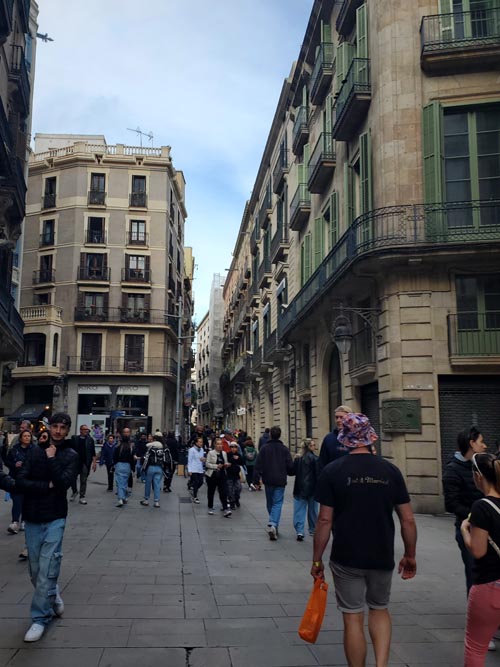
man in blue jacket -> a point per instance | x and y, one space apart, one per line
273 464
331 448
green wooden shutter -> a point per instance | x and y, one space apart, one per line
432 121
334 220
326 32
348 195
302 264
307 256
329 144
446 22
362 32
345 54
318 242
365 171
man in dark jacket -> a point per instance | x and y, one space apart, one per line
331 448
44 480
273 464
264 438
84 446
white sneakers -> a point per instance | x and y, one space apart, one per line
157 504
119 503
273 533
13 528
82 501
34 633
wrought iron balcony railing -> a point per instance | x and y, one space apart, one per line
19 72
300 207
136 275
426 228
353 99
322 72
474 334
93 273
95 236
96 198
300 132
138 200
47 238
44 276
49 200
321 163
280 169
93 363
137 238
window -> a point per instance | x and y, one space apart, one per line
478 302
95 305
135 307
93 266
42 299
95 230
134 352
48 232
467 19
138 196
55 349
138 184
331 218
98 182
34 350
255 336
46 272
91 352
137 267
49 196
267 321
137 234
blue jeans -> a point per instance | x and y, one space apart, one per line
300 507
154 475
44 542
122 472
274 501
139 471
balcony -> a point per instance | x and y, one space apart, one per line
47 238
281 167
94 274
49 200
461 41
137 238
300 208
362 355
265 210
265 274
473 337
95 237
13 183
136 275
346 18
353 100
300 133
138 200
322 73
6 7
44 276
254 240
24 12
42 314
255 294
96 198
426 229
18 76
11 328
273 350
126 366
279 244
321 163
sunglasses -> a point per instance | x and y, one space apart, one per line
475 466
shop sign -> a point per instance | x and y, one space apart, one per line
94 389
132 390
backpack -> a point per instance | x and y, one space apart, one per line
250 453
155 456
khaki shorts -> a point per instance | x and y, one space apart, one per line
355 588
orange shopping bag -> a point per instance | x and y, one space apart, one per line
313 616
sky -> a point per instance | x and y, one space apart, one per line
204 77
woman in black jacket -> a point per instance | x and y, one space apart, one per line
306 477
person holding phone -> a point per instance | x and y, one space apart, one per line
216 476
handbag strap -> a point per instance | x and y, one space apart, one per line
490 541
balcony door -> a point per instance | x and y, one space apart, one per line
478 314
91 352
134 352
468 19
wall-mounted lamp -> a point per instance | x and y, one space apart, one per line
341 327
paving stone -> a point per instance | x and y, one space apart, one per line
37 655
145 657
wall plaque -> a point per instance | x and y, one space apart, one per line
401 415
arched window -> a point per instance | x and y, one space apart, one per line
34 350
55 349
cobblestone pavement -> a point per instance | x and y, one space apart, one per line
175 586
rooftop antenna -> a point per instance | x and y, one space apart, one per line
141 134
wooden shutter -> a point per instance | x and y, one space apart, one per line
318 242
446 22
303 166
83 259
147 302
307 256
348 195
333 230
362 32
345 54
302 264
80 300
432 137
326 32
365 171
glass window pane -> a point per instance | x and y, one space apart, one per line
457 169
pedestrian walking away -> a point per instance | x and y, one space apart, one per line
481 535
331 448
172 452
84 446
140 449
153 465
48 472
236 462
195 467
358 494
216 466
106 459
274 463
306 469
124 463
264 438
250 456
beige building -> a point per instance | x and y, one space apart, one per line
374 234
18 26
104 284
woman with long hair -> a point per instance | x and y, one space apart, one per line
124 462
481 535
16 458
306 470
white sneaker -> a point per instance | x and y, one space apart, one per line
119 503
82 501
59 606
34 633
227 514
273 533
210 512
13 528
156 504
492 646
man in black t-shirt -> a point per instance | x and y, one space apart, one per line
358 494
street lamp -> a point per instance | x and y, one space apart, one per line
341 327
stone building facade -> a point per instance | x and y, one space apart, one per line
374 225
18 27
104 284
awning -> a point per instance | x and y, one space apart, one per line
29 411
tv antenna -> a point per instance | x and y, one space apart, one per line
141 134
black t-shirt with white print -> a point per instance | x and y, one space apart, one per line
363 490
484 516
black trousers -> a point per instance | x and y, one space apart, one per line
111 477
196 483
217 481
